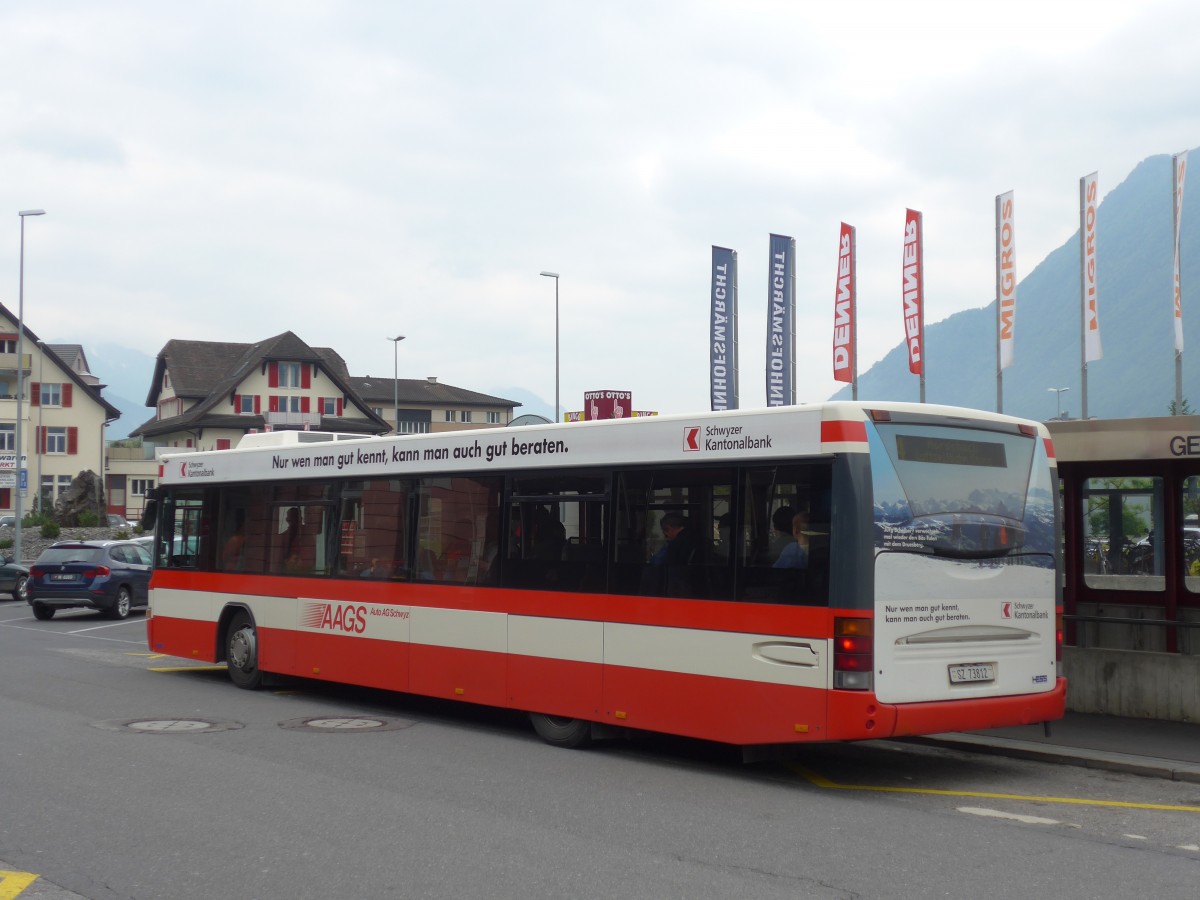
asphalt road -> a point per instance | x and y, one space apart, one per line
124 775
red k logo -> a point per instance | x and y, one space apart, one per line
1006 610
183 470
691 437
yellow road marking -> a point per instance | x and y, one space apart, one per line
187 668
13 883
148 655
823 782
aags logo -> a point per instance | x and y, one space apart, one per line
691 438
328 617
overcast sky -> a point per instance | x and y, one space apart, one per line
352 171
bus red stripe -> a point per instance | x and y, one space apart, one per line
842 431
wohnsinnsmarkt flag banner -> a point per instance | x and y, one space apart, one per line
722 330
781 322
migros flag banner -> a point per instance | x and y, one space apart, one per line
1006 275
1089 202
1180 163
844 304
913 282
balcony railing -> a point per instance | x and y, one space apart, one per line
293 419
8 362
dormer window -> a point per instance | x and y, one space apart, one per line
289 375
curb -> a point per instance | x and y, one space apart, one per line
1150 767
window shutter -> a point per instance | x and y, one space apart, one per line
339 406
66 393
273 374
72 440
257 404
273 403
304 403
237 403
305 376
223 443
35 393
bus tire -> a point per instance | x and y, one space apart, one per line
559 731
241 652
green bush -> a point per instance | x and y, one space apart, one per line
50 530
121 535
88 519
5 543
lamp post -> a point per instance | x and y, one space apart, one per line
1058 396
557 410
19 438
396 380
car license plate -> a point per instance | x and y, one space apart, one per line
971 672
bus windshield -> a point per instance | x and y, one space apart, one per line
957 491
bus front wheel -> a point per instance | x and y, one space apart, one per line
241 652
560 731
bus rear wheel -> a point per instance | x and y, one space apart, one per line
559 731
241 652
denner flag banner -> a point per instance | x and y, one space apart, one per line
844 309
913 282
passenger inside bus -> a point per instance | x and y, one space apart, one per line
674 568
795 554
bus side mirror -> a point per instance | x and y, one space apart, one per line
149 511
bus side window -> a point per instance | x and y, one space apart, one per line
786 534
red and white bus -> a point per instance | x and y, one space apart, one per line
628 573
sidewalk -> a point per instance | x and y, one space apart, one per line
1139 746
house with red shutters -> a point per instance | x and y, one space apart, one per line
61 412
207 394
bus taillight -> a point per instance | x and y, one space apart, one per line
1058 635
853 654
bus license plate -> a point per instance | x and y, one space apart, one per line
969 672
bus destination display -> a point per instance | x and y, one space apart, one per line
950 451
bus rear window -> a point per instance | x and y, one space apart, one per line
930 470
967 493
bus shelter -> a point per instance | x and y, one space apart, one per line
1131 564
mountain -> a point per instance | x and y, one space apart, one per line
1136 377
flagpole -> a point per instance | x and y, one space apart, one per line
1086 256
1178 288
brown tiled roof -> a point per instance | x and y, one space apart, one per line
382 391
209 371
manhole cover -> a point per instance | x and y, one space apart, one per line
344 724
166 725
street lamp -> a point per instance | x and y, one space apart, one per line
557 411
20 379
1058 392
396 379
